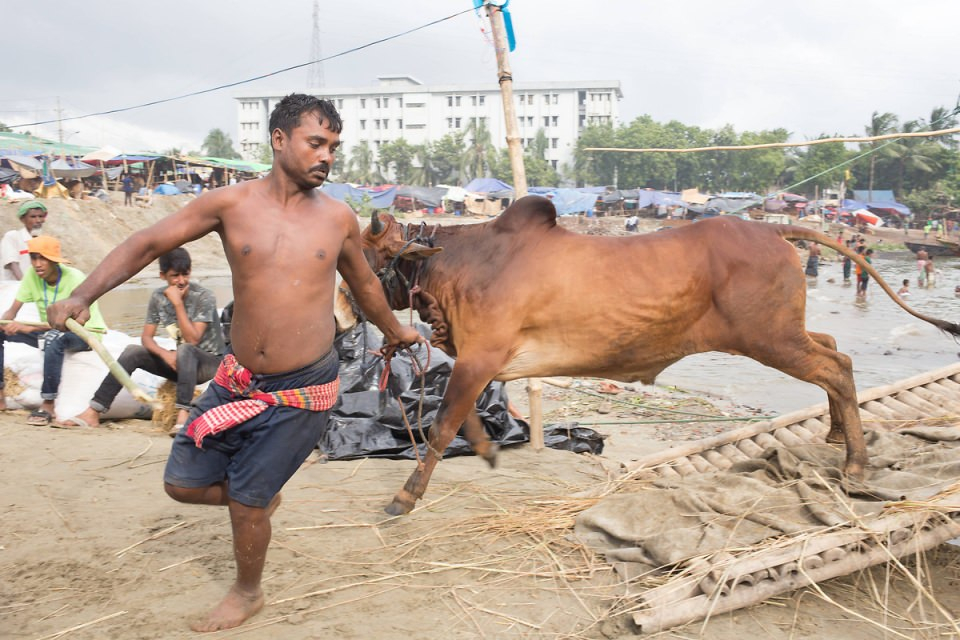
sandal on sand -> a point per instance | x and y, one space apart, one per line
76 422
39 418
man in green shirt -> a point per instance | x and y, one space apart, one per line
47 280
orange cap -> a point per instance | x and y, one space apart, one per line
46 246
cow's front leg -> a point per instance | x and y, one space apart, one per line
459 401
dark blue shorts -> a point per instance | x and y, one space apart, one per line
257 457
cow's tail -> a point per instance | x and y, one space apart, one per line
791 232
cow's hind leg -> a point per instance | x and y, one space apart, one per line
835 435
814 359
459 401
476 435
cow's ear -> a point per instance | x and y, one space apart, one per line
419 251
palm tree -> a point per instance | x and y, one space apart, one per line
880 124
480 155
218 144
914 157
362 167
423 172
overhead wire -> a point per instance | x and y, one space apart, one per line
247 80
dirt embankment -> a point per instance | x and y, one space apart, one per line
89 229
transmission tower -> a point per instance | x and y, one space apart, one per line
315 79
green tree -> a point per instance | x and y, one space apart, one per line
362 167
820 165
446 155
596 167
480 155
424 171
398 155
264 154
218 144
4 128
880 124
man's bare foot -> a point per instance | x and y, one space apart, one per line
235 609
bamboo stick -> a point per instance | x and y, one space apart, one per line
115 369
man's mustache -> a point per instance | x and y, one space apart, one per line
323 166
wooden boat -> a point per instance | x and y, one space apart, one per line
754 574
943 248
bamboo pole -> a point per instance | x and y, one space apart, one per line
116 370
515 151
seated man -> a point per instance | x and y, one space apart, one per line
13 248
46 281
188 312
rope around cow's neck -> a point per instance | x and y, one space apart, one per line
421 371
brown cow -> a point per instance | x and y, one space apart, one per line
521 297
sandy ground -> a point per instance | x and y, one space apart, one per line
91 547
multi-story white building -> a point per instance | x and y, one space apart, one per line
402 107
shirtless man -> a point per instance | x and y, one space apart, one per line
285 240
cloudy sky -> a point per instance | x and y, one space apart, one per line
812 67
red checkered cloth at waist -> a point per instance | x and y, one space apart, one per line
234 377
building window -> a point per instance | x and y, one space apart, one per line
521 98
546 98
399 124
363 125
482 100
386 123
546 121
363 103
456 101
553 163
449 101
376 123
456 123
556 98
416 126
483 120
400 100
473 101
386 102
339 103
414 105
376 102
553 120
553 143
529 121
449 123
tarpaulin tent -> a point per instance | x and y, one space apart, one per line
71 170
488 185
423 196
379 198
572 201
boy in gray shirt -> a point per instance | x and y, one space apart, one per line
186 312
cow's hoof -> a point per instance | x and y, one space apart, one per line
399 506
835 437
491 455
854 471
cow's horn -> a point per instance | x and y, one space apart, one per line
375 225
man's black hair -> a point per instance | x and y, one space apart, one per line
177 261
286 115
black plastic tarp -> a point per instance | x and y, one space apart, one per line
368 423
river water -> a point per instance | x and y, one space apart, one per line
886 343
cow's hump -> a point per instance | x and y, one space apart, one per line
526 213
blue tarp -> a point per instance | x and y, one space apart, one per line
572 201
874 195
487 185
166 190
379 199
853 205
